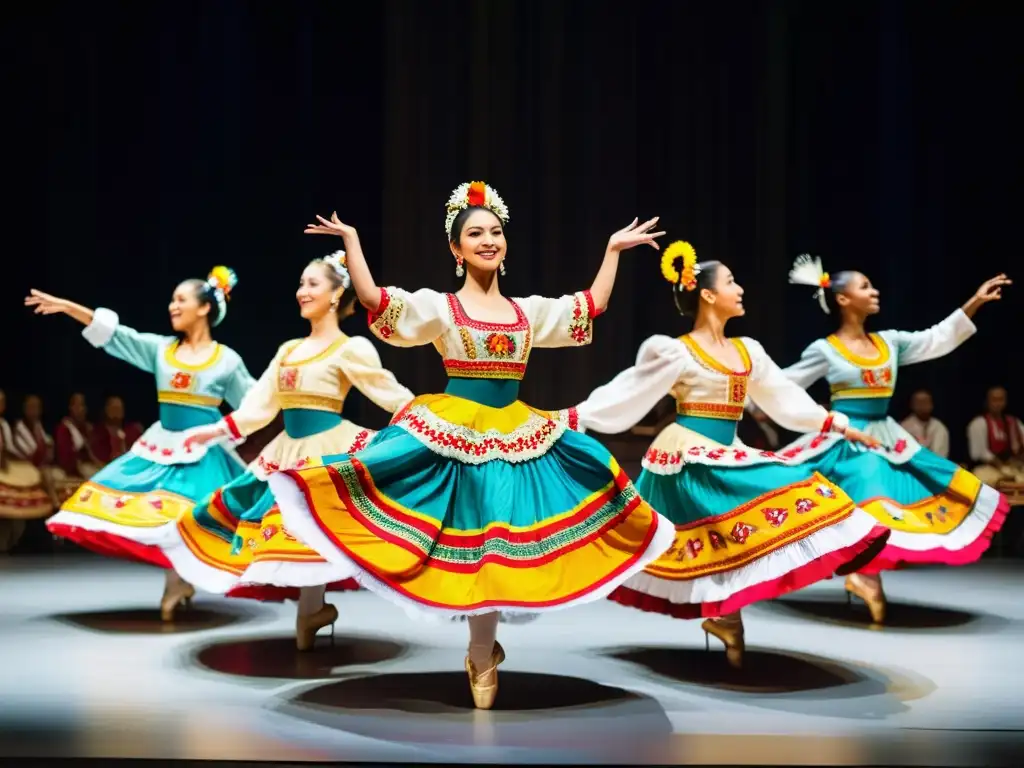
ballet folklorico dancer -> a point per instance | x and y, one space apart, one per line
938 512
233 541
749 525
472 503
123 508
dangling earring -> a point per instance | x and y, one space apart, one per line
501 267
459 271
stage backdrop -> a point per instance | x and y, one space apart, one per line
147 142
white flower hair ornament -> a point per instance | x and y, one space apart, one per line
337 262
807 270
473 194
220 283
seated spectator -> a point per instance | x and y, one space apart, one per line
996 442
924 427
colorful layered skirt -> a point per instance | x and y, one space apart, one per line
937 511
749 525
124 509
233 541
460 507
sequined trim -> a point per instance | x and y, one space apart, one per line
384 322
711 410
581 326
484 369
529 440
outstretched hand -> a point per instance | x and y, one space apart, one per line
44 303
856 436
992 289
635 234
333 226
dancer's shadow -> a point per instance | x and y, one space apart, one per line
147 621
801 683
277 657
899 616
532 711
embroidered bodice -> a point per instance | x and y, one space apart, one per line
201 388
702 387
855 378
479 350
319 383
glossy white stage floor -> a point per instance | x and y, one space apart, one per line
89 670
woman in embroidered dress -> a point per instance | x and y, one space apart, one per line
749 525
938 512
471 502
233 542
22 495
122 509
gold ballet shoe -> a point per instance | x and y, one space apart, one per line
484 685
731 636
875 600
306 627
178 595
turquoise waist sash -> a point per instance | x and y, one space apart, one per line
720 430
867 408
178 418
304 422
494 393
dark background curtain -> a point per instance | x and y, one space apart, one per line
147 142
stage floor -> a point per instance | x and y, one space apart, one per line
89 670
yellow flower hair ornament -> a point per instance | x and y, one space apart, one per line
221 281
687 276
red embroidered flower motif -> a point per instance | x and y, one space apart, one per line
775 515
818 440
740 532
694 451
901 446
663 458
717 540
694 547
360 442
738 454
886 375
868 377
793 452
384 331
768 454
716 454
288 379
268 532
156 503
804 506
825 492
500 345
122 501
181 380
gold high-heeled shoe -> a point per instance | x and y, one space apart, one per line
178 595
484 685
876 602
306 627
731 636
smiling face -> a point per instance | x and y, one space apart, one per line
316 291
186 309
724 296
858 295
481 242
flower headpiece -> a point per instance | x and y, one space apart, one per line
337 262
807 270
220 282
473 194
687 277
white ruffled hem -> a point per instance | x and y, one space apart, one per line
281 574
964 535
721 586
298 519
150 536
166 447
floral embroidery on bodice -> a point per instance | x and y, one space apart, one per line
485 350
200 384
710 389
852 376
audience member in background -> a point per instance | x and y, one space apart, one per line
34 444
22 495
112 437
995 441
75 460
926 429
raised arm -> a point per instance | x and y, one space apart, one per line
103 330
811 366
625 400
629 237
361 364
367 290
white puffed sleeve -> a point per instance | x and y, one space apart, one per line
941 339
622 402
406 319
139 349
567 321
812 365
260 405
360 363
785 402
